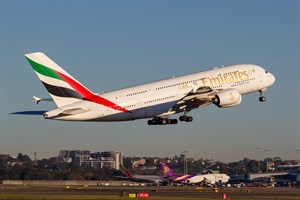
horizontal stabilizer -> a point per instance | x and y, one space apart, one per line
52 114
31 112
74 111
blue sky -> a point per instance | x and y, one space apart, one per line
107 45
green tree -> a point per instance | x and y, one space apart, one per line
127 162
149 162
24 158
252 166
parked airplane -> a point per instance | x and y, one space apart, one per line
158 100
208 179
153 179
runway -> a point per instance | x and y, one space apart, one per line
162 192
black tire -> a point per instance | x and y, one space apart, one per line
189 119
183 118
262 99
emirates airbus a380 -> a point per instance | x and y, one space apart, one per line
157 100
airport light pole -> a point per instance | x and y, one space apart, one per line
298 150
258 163
267 150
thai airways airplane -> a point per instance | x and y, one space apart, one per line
211 179
159 100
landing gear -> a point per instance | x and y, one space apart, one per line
262 98
161 121
186 118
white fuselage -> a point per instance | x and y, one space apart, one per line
157 98
208 179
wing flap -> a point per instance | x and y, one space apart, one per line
200 97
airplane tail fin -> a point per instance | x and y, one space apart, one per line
62 87
125 172
167 172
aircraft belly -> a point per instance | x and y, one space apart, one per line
157 110
115 117
121 116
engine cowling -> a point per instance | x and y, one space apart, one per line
228 98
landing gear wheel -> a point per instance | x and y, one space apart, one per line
189 119
182 118
174 121
161 121
186 118
262 98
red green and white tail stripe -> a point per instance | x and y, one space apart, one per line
63 88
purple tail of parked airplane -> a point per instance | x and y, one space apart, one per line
171 175
167 172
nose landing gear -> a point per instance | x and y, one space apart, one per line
262 98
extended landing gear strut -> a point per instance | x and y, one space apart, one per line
262 98
162 121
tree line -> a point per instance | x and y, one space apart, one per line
23 168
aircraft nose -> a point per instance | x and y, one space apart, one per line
271 78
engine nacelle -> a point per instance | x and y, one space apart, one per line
228 98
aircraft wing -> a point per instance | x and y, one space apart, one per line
196 98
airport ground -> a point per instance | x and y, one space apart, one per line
157 193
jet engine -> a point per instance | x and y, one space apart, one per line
228 98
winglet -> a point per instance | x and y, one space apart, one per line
36 99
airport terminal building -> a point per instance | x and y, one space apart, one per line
284 175
86 158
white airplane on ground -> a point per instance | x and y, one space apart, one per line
206 179
158 100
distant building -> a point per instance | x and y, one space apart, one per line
4 156
288 168
271 166
86 158
138 162
14 162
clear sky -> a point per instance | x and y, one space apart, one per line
108 45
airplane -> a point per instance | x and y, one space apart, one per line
159 100
153 179
207 179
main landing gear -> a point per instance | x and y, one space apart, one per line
186 118
165 121
161 121
262 98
